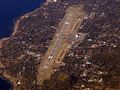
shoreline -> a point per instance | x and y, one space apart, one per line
6 76
9 81
16 24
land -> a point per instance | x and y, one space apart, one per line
89 57
67 28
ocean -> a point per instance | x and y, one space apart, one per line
11 10
5 85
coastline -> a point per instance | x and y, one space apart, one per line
16 24
3 39
9 78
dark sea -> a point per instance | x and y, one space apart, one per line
10 11
5 85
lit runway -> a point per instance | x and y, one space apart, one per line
59 46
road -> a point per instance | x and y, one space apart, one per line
59 47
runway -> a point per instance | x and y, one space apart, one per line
59 47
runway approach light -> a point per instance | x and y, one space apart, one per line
77 36
45 67
18 82
54 0
79 18
67 23
50 57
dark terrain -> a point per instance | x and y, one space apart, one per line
93 64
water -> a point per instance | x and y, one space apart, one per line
5 85
10 10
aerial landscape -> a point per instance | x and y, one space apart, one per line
60 45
